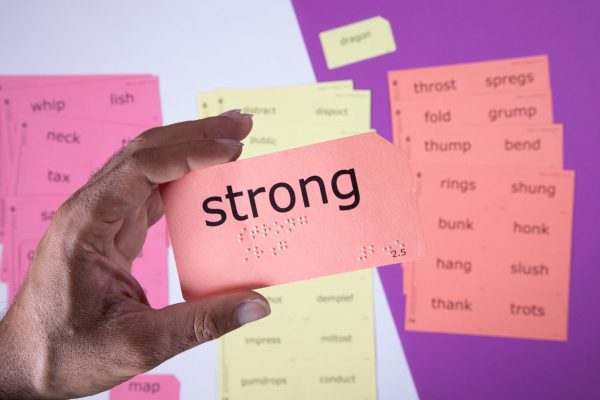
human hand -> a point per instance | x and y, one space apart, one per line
81 323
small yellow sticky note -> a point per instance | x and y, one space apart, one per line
357 42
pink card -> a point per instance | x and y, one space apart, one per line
28 218
526 146
43 83
539 146
488 312
126 101
318 210
499 246
513 75
498 214
58 155
147 386
8 82
498 109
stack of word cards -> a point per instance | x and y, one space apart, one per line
319 341
55 132
495 201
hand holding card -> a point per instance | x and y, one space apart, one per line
84 261
299 214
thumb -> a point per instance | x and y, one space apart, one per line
179 327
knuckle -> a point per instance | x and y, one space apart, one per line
224 120
210 145
69 212
138 157
205 327
65 209
140 164
140 141
223 125
146 136
134 144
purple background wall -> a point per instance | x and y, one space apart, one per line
442 32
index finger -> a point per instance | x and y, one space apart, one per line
230 125
128 183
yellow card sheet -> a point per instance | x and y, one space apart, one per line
318 343
207 102
269 136
347 109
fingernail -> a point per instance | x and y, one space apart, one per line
252 310
232 113
235 114
229 141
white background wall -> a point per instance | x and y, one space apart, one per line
192 46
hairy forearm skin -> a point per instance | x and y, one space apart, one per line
19 361
26 346
32 332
